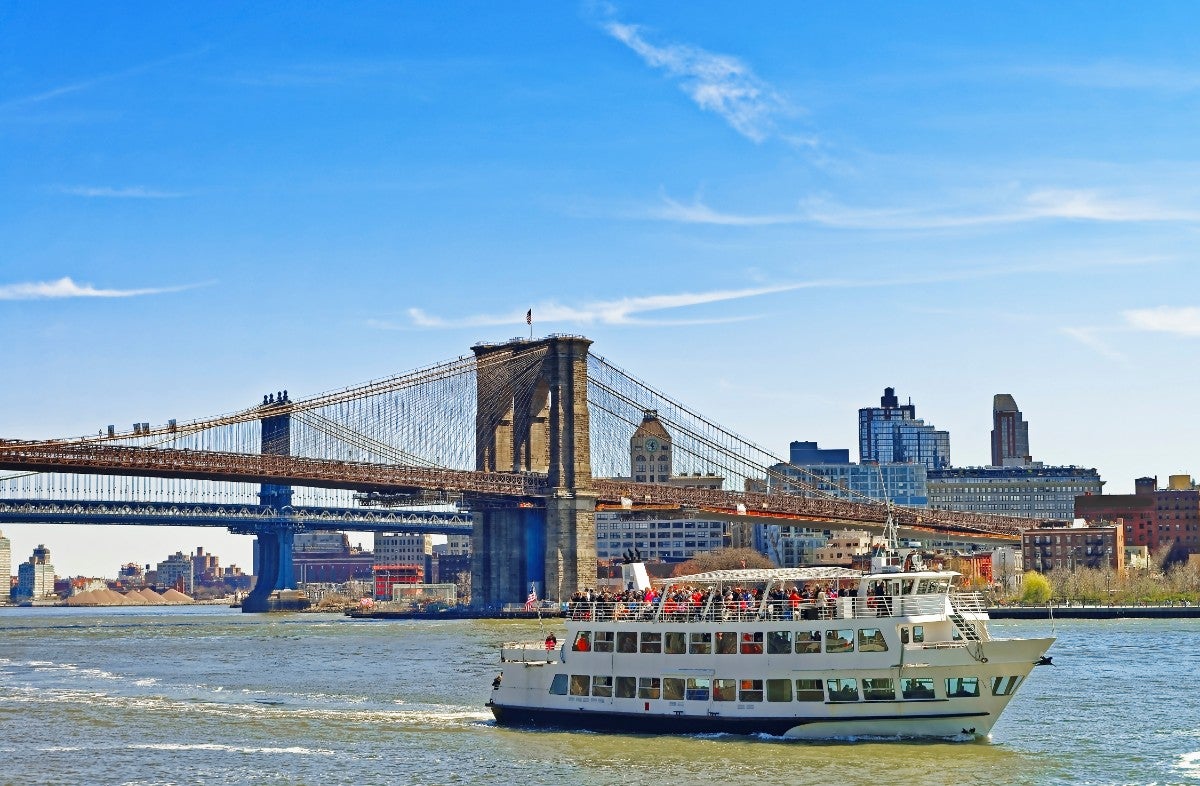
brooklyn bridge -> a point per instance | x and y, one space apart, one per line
531 436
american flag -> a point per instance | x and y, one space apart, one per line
529 317
531 601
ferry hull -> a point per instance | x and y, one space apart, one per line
972 724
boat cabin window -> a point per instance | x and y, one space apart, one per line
843 689
871 640
626 687
602 686
1004 686
701 644
651 642
916 688
879 689
916 634
726 642
779 642
672 688
750 690
962 687
583 641
808 642
933 587
779 690
626 641
675 643
603 641
839 640
697 688
649 687
558 686
580 684
809 690
752 643
724 690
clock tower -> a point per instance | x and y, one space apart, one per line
650 451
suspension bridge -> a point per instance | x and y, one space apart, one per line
532 436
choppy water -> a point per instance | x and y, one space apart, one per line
211 696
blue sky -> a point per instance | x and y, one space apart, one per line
770 212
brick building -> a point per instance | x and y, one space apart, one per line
1050 548
1151 516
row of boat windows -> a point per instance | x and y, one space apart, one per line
773 642
835 689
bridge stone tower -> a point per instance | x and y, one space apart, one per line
273 541
532 416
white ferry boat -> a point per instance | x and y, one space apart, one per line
896 653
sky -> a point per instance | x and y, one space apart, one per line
769 211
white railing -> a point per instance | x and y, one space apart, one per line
719 610
516 652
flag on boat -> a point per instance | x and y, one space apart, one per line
531 601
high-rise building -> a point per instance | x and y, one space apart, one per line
1034 491
35 578
5 567
1151 517
657 539
177 570
893 434
1010 433
404 549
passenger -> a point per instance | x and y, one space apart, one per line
551 642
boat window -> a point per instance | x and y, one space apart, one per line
752 643
839 640
626 641
651 642
602 686
583 641
724 690
904 634
918 634
809 690
962 687
871 640
675 643
558 686
697 688
626 687
779 690
701 643
750 690
1004 686
808 641
879 689
916 688
906 586
672 688
580 684
843 689
726 642
648 687
603 641
779 642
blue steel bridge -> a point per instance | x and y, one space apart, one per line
530 436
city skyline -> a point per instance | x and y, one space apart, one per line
202 204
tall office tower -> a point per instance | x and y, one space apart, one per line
893 434
5 567
1010 433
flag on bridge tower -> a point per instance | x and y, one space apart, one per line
531 601
529 317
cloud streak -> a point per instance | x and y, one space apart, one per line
66 288
1179 321
721 84
1037 205
128 192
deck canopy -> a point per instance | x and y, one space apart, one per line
762 575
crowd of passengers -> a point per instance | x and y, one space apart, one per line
808 600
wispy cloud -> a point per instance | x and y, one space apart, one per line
624 311
717 83
128 192
1091 338
1037 205
67 288
1181 321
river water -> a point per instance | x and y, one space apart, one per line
207 695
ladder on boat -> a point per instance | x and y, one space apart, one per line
965 629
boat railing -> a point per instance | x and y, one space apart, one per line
717 610
519 652
968 603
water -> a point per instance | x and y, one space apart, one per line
205 695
